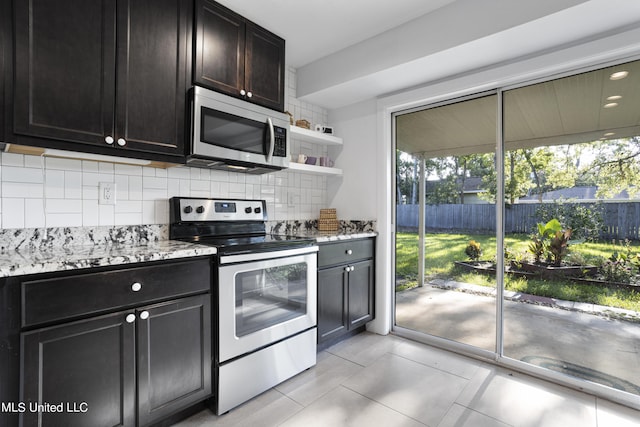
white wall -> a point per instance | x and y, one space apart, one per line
354 195
361 192
53 192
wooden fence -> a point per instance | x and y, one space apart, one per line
621 220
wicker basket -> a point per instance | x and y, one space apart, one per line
328 220
303 124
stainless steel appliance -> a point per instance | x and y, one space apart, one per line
232 134
266 290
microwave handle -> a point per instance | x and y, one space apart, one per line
272 139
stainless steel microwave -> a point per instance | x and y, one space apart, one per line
235 135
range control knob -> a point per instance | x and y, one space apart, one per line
257 210
247 210
200 209
188 209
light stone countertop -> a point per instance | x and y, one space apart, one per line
33 251
17 262
324 237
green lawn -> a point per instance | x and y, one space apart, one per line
443 249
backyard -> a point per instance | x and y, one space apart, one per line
443 249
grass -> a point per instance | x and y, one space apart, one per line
443 249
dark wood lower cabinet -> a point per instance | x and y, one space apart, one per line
111 346
360 302
346 277
91 369
332 304
174 357
87 364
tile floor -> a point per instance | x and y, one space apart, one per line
372 380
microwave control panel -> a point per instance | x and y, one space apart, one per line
280 142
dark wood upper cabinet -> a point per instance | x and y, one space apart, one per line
104 76
153 74
5 36
65 64
264 69
237 57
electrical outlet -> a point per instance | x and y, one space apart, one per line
292 200
107 193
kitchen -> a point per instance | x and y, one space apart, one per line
60 194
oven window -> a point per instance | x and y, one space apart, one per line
270 296
226 130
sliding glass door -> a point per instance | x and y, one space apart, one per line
572 163
518 225
445 214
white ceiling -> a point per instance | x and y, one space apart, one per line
348 51
316 28
563 111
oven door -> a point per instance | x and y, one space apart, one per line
264 298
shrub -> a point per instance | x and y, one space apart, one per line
586 222
551 241
622 266
473 250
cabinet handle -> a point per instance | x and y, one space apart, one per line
130 318
136 287
348 251
249 94
242 92
109 140
144 315
122 142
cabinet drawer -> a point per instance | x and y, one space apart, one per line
345 252
68 296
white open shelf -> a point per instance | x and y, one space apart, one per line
323 170
313 136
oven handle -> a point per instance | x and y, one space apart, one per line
230 259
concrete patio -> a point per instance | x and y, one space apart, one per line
582 340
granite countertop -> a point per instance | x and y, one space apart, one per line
17 262
332 236
33 251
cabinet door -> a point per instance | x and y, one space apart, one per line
219 48
264 73
5 25
64 69
153 60
332 294
87 366
174 356
361 280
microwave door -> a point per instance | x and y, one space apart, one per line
233 132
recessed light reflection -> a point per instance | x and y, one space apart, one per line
619 75
614 98
609 134
611 105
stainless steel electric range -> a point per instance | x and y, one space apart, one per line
265 291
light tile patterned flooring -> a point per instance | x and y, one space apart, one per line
372 380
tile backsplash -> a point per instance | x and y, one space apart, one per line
41 191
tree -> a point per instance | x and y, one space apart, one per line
612 166
405 166
617 166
